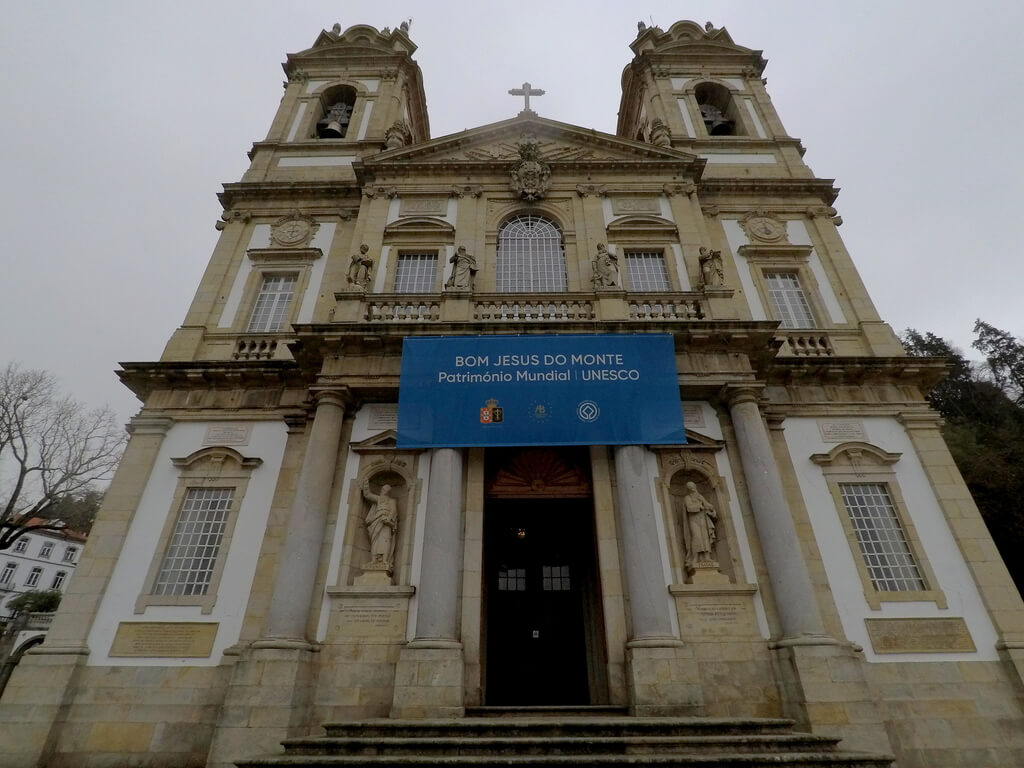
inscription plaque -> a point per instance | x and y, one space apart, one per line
383 416
164 639
422 205
693 415
920 635
227 434
720 611
623 205
383 621
841 431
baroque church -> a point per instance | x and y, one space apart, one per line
530 429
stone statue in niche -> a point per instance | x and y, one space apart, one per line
382 530
463 269
711 271
360 271
606 268
701 520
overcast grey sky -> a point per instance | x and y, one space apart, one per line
122 120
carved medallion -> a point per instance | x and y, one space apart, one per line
763 227
538 473
294 230
531 176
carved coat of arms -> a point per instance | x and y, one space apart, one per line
531 176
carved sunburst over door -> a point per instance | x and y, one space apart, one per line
538 473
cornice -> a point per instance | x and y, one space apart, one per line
824 189
335 192
922 372
143 378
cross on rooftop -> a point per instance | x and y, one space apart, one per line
526 91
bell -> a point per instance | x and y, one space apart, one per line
329 129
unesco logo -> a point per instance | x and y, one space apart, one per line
588 411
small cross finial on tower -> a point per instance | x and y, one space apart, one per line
526 91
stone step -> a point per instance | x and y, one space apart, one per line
681 760
586 745
539 727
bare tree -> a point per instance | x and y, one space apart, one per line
52 448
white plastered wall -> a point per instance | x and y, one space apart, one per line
803 438
267 442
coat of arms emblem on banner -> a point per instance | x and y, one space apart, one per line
491 413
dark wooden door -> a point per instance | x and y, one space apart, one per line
539 564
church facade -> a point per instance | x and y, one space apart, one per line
275 552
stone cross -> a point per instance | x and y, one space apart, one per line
526 91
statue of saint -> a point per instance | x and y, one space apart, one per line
462 272
360 271
700 521
711 271
606 268
381 526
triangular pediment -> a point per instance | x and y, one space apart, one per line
382 441
560 145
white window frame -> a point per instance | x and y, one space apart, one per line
207 468
7 575
858 463
647 271
21 545
58 579
790 304
423 277
280 303
69 555
33 577
46 550
531 256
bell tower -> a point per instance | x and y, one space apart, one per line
694 89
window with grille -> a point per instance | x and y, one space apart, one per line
271 308
890 563
69 554
46 550
415 272
788 300
7 576
58 580
511 579
555 578
530 256
22 544
33 577
646 271
195 542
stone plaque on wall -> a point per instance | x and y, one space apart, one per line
385 622
227 434
693 415
423 206
706 613
383 416
841 430
626 205
164 639
920 636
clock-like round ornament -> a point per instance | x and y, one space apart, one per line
292 232
765 228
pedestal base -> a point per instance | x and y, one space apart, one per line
663 680
429 681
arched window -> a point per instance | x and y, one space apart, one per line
530 256
337 105
717 110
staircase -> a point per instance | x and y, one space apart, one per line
495 736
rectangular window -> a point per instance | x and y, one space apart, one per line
22 544
646 271
33 577
8 573
890 563
788 300
58 580
192 550
415 272
46 550
555 578
271 308
511 579
69 554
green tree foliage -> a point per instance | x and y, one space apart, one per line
35 601
983 410
77 511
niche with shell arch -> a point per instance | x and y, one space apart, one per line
712 487
397 472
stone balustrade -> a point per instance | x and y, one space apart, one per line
255 348
808 345
403 309
664 307
543 308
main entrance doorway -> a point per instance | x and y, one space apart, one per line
543 639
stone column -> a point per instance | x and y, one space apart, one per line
661 674
791 582
300 555
430 671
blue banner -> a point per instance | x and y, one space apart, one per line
607 389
